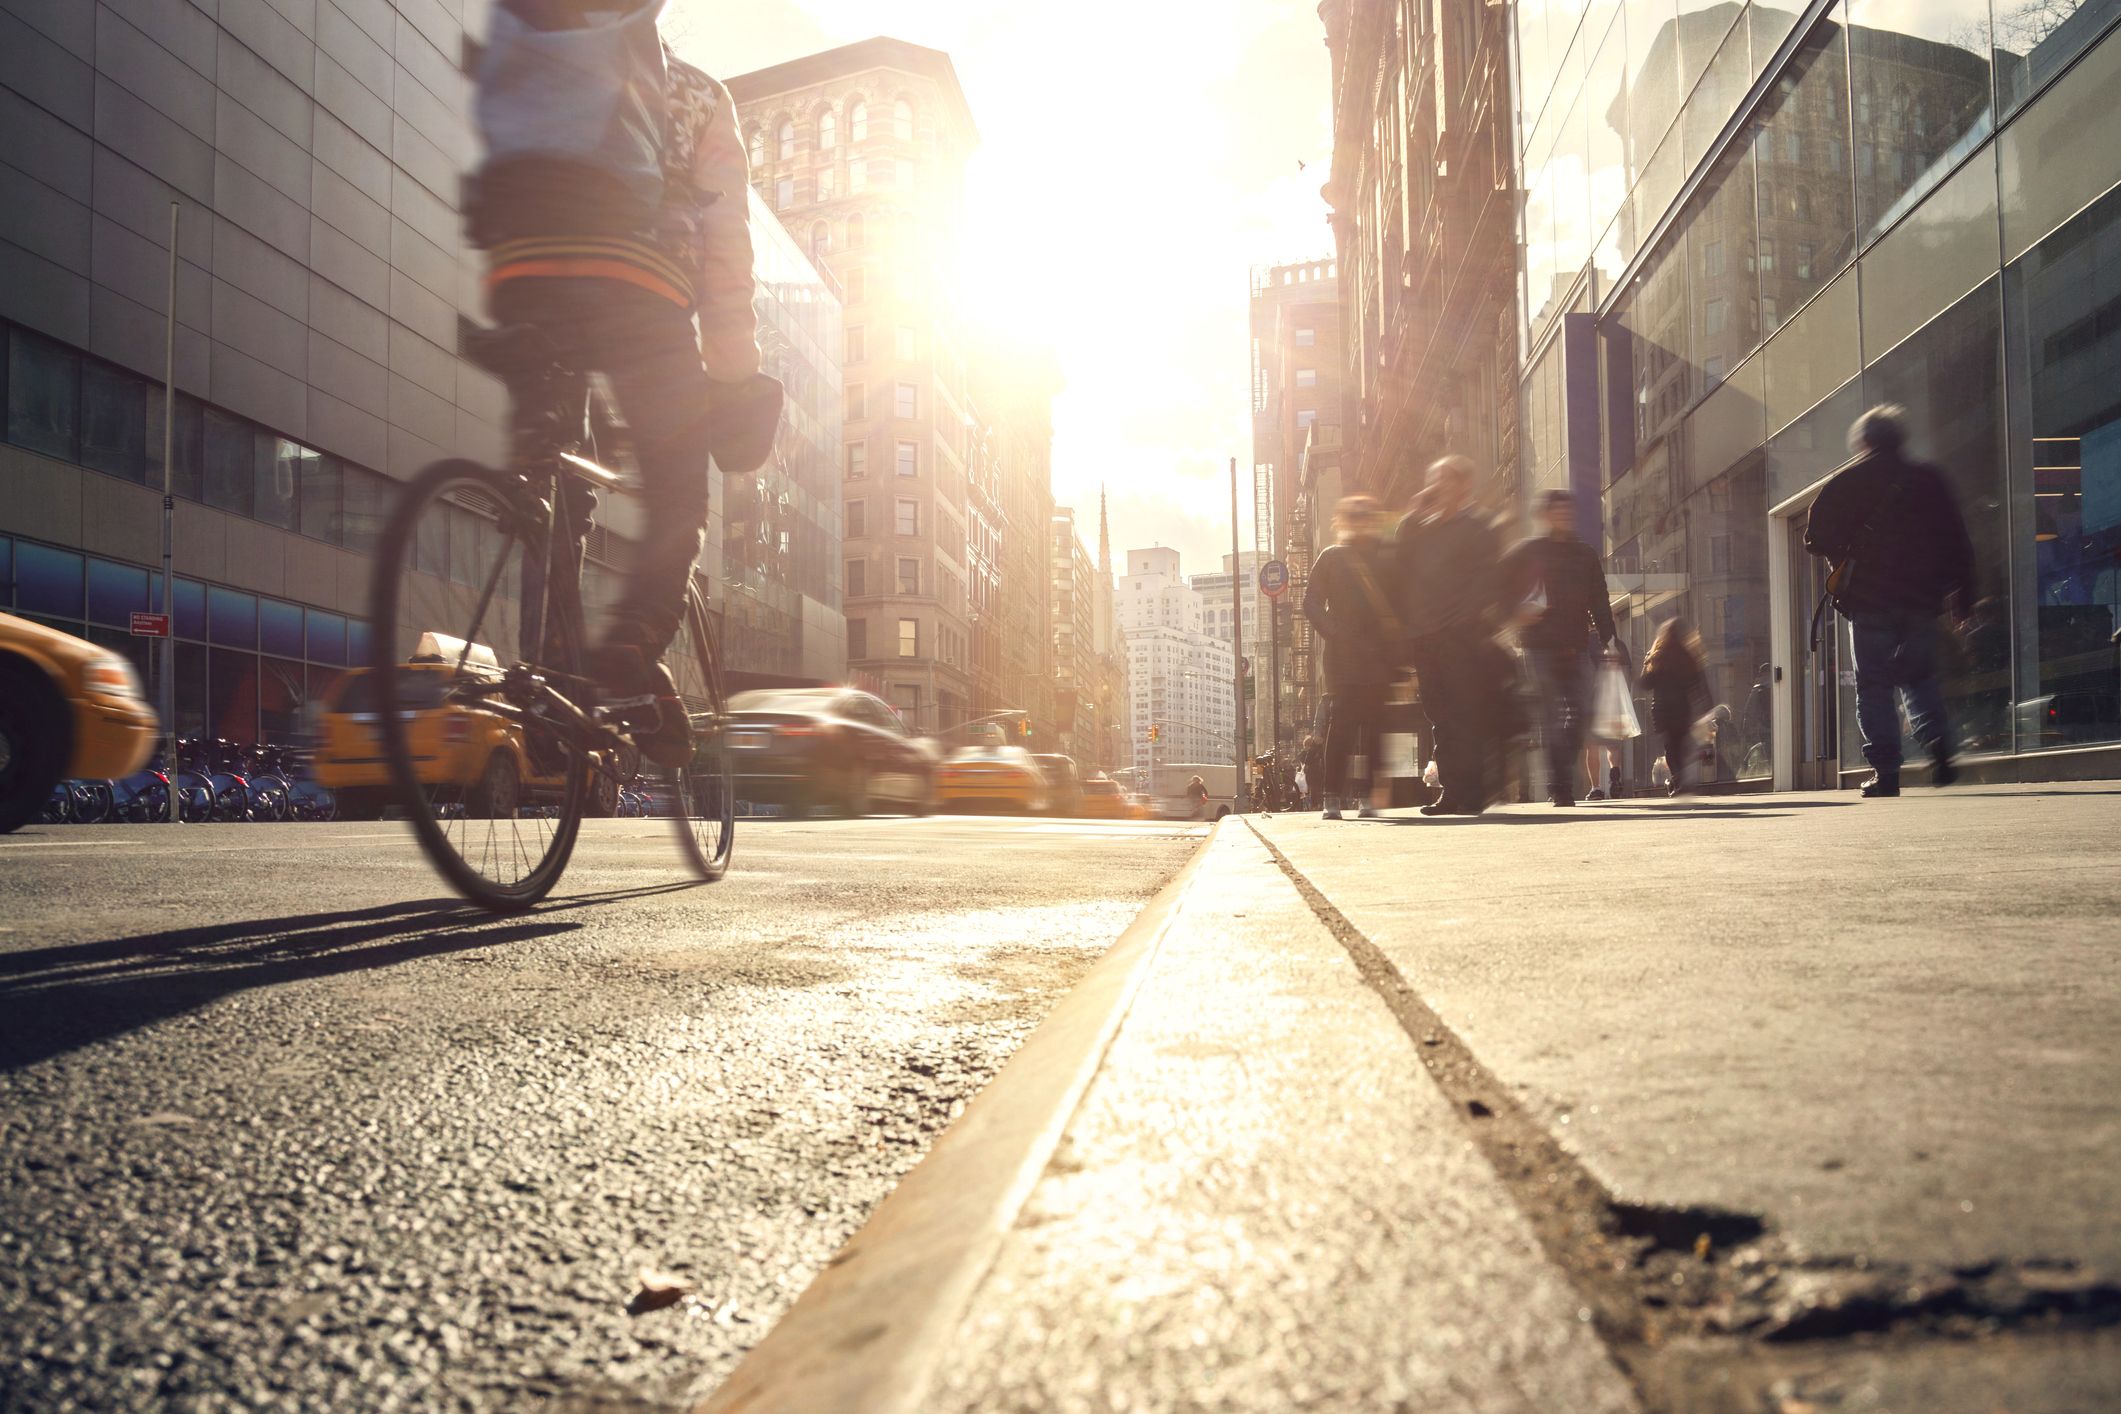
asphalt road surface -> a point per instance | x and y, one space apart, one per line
283 1126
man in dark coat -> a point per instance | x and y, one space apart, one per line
1350 609
1448 562
1558 584
1891 527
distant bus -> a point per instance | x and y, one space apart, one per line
1167 795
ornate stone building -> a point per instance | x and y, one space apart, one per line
861 151
1425 226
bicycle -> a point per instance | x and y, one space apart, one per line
474 558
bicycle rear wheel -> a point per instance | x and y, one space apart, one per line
702 794
465 640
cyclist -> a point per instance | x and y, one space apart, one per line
624 304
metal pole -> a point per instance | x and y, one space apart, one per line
1272 608
1237 642
169 516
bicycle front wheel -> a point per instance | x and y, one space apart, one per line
703 794
469 645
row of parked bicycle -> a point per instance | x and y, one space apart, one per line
220 782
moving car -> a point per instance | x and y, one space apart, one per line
989 774
833 749
453 744
1102 799
1063 781
68 709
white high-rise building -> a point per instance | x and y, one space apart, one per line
1216 609
1178 674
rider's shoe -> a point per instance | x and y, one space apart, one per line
645 699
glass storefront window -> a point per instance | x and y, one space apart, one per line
231 470
2065 372
1728 75
191 688
1944 248
1653 74
1920 83
367 501
43 394
1703 27
2035 38
191 609
280 628
48 581
232 618
1814 354
1800 152
282 698
2059 155
115 592
327 637
113 421
232 694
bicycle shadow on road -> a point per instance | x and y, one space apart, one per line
59 999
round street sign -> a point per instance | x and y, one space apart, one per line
1274 579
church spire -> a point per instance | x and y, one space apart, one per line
1104 536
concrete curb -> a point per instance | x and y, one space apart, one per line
869 1332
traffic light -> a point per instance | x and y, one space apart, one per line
1154 731
1023 726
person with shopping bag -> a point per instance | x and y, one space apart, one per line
1557 583
1346 602
1679 694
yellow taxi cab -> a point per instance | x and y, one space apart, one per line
1102 798
452 744
68 710
991 774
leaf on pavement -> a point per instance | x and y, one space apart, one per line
658 1290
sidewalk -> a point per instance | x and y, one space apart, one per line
1790 1103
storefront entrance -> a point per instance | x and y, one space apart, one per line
1808 670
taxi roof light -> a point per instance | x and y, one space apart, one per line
443 648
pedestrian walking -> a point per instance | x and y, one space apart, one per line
1448 565
1197 798
1351 611
1557 583
1679 694
1312 772
1891 528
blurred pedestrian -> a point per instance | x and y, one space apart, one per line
1197 798
1349 608
1313 769
1679 693
1448 565
1890 527
1557 583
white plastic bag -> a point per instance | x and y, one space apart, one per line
1430 776
1612 712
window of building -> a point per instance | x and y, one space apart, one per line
828 130
824 184
279 471
909 459
784 193
858 121
187 446
1306 418
1719 554
43 394
1804 260
909 638
114 421
1767 256
908 345
1712 259
857 519
902 120
857 578
1307 378
909 516
857 638
1305 338
909 575
785 140
857 460
231 471
857 344
1716 317
757 143
907 401
857 230
857 286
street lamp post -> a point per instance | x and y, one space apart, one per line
1237 643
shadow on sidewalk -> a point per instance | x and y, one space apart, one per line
1576 816
59 999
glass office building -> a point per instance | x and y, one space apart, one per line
1743 225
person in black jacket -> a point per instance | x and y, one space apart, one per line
1679 693
1891 528
1447 562
1350 608
1558 585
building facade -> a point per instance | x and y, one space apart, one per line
861 151
313 155
1745 223
1425 229
1078 724
1179 676
1217 611
780 578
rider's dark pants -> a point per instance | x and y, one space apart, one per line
646 346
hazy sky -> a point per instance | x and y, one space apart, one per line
1137 158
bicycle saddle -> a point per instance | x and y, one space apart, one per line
511 351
